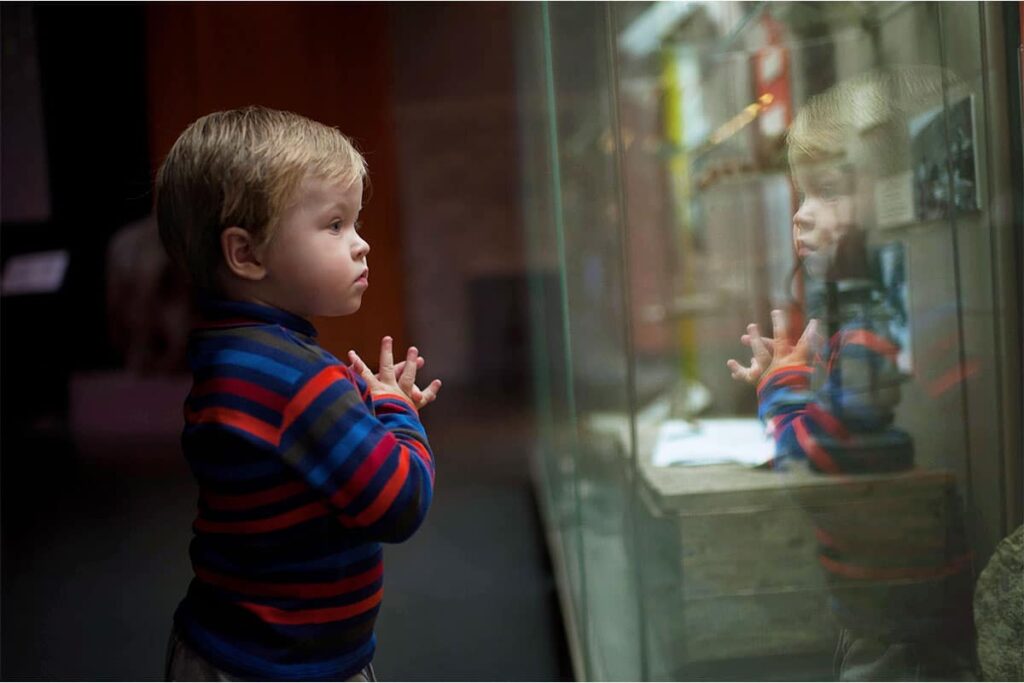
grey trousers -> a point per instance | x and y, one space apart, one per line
185 664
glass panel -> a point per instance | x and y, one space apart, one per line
826 180
555 461
591 248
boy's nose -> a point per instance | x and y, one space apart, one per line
803 219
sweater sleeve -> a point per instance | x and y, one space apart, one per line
845 426
786 406
375 471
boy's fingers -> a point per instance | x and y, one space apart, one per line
779 325
407 378
400 366
810 336
430 393
360 367
754 372
768 341
735 369
387 360
741 373
757 345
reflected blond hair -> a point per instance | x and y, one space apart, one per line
863 120
241 168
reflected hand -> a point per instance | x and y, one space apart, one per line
770 353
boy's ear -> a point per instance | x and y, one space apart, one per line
241 255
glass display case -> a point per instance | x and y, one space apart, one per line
776 332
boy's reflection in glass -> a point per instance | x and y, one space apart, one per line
893 555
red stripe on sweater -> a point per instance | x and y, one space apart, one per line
386 496
793 376
953 377
234 418
305 396
240 387
815 452
256 526
365 472
273 615
404 400
827 421
424 456
891 547
251 500
825 538
871 341
327 589
851 571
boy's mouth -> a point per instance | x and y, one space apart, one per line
364 277
805 248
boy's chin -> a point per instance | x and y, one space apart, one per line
347 310
815 265
337 311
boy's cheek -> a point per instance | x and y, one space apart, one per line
851 210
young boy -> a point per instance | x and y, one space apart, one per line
304 465
896 564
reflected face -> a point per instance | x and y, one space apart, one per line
316 261
827 212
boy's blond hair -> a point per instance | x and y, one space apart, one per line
863 120
241 168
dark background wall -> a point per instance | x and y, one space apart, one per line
460 215
85 92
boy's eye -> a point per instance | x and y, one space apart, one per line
336 226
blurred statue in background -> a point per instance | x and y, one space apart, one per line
149 310
894 558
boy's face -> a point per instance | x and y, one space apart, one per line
827 212
316 261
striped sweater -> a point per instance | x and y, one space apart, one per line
302 475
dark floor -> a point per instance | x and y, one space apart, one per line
94 556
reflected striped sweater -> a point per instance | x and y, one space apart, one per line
896 559
845 425
302 474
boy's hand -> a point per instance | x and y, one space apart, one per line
396 379
770 353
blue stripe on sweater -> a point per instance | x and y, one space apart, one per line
240 470
253 362
346 665
343 450
239 403
349 558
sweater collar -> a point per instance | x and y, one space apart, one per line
227 313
